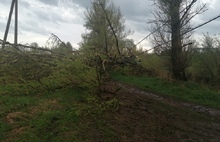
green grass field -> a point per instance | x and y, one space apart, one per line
186 91
74 115
54 116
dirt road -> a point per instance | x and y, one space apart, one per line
145 116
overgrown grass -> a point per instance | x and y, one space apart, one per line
186 91
63 115
73 115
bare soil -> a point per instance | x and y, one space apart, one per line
144 116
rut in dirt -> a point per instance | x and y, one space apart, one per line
198 108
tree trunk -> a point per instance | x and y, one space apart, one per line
177 67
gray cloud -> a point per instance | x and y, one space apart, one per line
48 17
50 2
6 2
24 4
32 27
56 17
83 3
211 28
2 27
136 13
135 10
43 14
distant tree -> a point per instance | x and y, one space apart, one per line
34 49
34 44
209 59
63 48
106 30
69 46
129 47
171 37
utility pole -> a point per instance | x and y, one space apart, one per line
14 3
16 23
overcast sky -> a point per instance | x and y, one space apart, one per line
65 18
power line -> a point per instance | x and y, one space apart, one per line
183 32
150 34
1 41
187 8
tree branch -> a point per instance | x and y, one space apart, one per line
112 29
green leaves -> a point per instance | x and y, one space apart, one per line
106 28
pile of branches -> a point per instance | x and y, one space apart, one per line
23 63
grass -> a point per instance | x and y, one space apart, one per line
72 115
62 115
186 91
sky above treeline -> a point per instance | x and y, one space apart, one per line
65 18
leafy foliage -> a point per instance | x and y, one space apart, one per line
206 62
106 25
44 71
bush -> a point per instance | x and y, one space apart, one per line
206 62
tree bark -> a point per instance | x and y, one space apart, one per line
178 68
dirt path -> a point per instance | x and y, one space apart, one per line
144 116
191 106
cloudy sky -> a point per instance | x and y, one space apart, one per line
65 18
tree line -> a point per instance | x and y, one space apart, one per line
105 47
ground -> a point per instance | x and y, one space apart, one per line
138 116
144 116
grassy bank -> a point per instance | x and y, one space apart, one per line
64 115
72 115
186 91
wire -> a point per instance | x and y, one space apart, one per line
150 34
183 33
1 41
187 8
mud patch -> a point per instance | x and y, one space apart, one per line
19 130
15 117
16 133
167 100
46 105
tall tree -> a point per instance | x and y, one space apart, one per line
106 30
171 37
